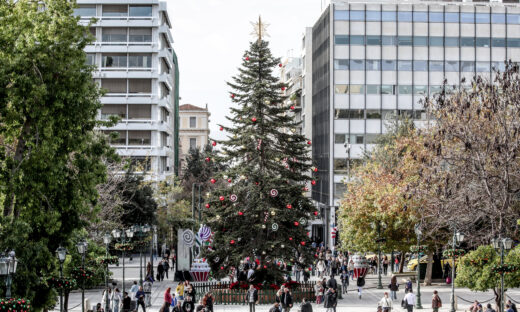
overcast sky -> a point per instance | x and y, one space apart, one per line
210 37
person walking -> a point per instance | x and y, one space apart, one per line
512 305
318 292
409 301
178 307
133 290
509 308
147 288
386 303
166 267
394 287
408 286
107 295
321 268
344 281
115 300
167 300
126 302
287 300
332 283
140 299
385 264
351 269
489 308
436 301
160 271
188 305
252 298
180 291
360 283
208 301
331 300
306 306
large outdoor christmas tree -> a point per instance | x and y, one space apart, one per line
262 212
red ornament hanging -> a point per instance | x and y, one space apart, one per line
221 198
289 206
253 119
290 238
315 169
303 243
313 182
213 181
222 268
296 223
247 58
280 65
208 159
207 206
229 180
315 213
232 242
221 128
232 95
283 88
292 107
214 143
265 266
309 142
240 213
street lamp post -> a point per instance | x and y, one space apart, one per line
8 268
140 231
106 239
379 240
457 239
61 252
502 244
418 233
124 237
82 250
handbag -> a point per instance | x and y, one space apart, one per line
404 303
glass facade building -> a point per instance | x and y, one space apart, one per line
376 59
133 53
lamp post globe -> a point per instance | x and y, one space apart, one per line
8 266
82 250
61 253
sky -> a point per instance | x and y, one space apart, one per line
211 36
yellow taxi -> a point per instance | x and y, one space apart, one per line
412 264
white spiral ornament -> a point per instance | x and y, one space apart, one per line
273 193
188 238
233 197
274 227
303 221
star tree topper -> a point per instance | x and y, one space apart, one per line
259 29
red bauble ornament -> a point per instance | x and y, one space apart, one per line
309 142
207 206
221 198
212 181
221 128
232 95
308 233
290 238
214 143
292 107
283 88
247 58
256 183
315 213
240 213
208 159
296 223
253 119
315 169
232 242
303 243
265 266
280 65
313 182
289 206
229 180
222 268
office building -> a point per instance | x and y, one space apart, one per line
193 130
138 68
372 60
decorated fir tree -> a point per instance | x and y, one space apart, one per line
261 213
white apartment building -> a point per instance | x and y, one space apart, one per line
375 59
193 129
135 60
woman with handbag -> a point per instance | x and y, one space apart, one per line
386 303
436 301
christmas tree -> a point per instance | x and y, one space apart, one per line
262 212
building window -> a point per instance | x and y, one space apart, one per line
140 10
482 67
193 143
451 41
357 138
139 137
164 164
420 90
371 138
114 60
341 64
467 18
436 41
341 15
404 65
357 64
357 40
140 86
405 16
91 59
389 65
141 163
193 122
420 16
85 11
373 114
436 17
404 40
437 66
116 137
420 65
451 17
389 16
373 89
388 89
109 110
451 66
341 89
467 42
339 138
140 35
114 35
467 66
140 60
405 90
115 10
373 40
373 65
140 111
498 42
357 15
420 41
340 165
341 39
482 42
498 18
114 85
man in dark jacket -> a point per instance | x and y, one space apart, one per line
275 308
306 306
332 283
331 300
252 298
287 301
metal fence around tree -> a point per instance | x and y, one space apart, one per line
224 295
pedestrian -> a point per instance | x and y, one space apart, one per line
208 301
105 299
116 300
409 301
148 270
306 306
126 302
332 283
160 271
201 307
333 267
344 281
360 283
321 268
180 291
252 297
394 287
178 307
318 292
331 300
147 288
166 267
489 308
99 308
436 301
385 303
287 301
133 291
188 305
167 300
408 286
512 305
278 296
190 292
508 308
351 269
275 308
174 300
385 264
140 299
474 306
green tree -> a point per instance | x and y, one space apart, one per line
139 205
475 270
50 160
263 156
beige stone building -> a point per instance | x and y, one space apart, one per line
194 128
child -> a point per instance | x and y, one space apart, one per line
344 281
